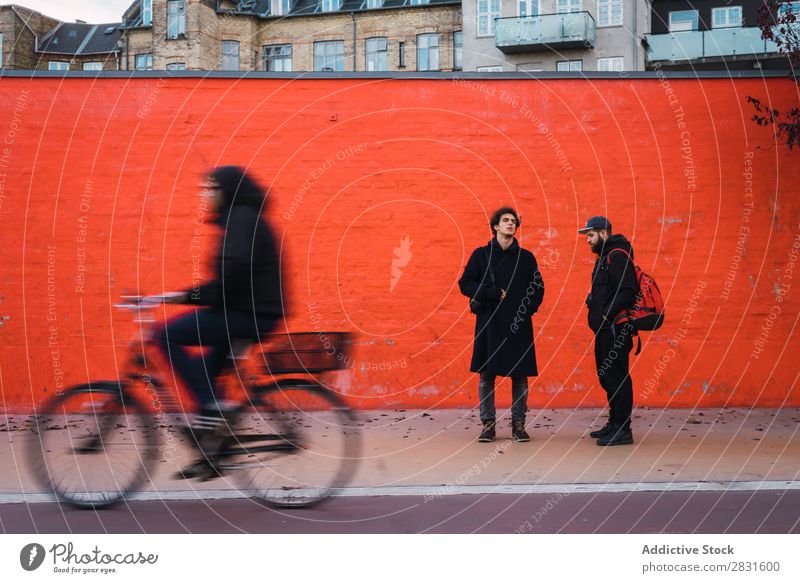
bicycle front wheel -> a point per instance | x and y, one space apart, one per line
296 443
93 445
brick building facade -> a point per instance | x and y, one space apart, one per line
254 36
31 40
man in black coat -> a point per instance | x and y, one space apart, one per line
614 290
506 289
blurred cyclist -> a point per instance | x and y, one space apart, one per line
243 301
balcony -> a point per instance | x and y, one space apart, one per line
544 32
704 44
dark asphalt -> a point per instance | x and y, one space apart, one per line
776 512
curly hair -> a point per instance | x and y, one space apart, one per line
505 210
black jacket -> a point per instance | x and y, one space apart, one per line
246 267
614 285
503 344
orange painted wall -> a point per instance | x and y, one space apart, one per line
98 198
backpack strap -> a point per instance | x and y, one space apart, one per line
608 255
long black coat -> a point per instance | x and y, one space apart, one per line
503 343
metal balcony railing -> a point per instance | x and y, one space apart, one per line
701 44
544 32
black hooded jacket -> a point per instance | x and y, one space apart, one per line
614 285
247 274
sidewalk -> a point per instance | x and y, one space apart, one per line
437 450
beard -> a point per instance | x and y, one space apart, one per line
598 247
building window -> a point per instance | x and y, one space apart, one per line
401 50
428 52
230 55
564 66
94 66
277 58
457 51
789 7
58 66
1 49
377 54
281 7
683 20
611 64
527 8
418 2
566 6
147 12
176 18
176 66
726 17
374 3
490 69
144 62
609 12
488 10
329 55
331 5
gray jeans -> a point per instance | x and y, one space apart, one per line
519 395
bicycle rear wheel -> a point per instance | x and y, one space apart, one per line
92 446
296 442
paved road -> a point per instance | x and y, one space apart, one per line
618 512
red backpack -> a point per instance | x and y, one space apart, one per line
648 311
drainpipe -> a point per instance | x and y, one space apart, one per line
355 52
635 37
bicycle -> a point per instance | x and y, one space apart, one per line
291 442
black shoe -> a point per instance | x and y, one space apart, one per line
518 432
617 436
201 469
604 431
488 433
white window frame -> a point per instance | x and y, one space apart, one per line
178 29
147 12
492 9
424 43
418 2
372 4
575 65
230 55
176 66
374 51
136 62
93 66
458 50
727 22
284 58
58 66
323 55
281 7
330 5
611 64
609 19
568 6
1 49
490 69
528 8
673 23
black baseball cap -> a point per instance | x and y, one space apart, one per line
596 223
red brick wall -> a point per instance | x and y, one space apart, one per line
98 199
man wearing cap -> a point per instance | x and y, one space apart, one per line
614 289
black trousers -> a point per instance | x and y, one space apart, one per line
612 347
